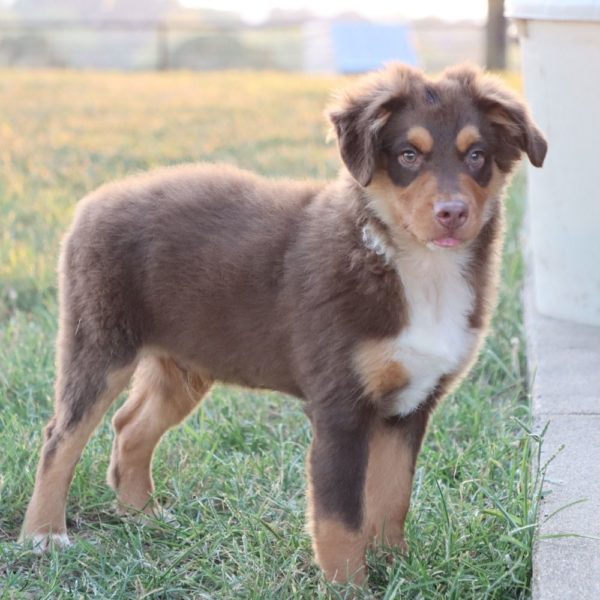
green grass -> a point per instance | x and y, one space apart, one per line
234 472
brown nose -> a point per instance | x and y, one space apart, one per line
451 214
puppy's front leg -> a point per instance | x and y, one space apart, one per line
360 471
337 467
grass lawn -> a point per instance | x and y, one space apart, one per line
234 472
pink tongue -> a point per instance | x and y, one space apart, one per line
447 242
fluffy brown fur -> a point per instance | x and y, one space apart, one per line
367 297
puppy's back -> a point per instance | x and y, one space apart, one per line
189 259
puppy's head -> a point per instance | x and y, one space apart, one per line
434 154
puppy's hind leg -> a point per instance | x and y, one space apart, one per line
89 379
163 395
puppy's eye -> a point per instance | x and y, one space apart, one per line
475 159
410 158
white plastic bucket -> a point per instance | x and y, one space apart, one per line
560 44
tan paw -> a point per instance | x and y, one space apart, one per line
394 542
150 515
44 542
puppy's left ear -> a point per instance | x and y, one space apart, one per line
511 116
508 115
361 113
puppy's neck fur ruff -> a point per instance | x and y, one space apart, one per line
376 238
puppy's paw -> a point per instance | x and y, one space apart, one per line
150 515
162 515
44 542
401 546
391 545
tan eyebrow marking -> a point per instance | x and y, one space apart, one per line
466 137
420 138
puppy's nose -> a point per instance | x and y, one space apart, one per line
451 214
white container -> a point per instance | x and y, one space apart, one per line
560 43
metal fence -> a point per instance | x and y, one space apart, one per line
146 44
171 44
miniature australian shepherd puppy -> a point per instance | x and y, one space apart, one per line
368 297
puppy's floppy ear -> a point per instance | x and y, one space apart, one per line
357 126
360 114
510 116
507 113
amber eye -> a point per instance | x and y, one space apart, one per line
410 158
475 159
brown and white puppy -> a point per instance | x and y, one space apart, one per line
367 297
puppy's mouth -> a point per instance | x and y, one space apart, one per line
447 242
440 240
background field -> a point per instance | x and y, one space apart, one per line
234 471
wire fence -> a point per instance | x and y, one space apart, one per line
171 44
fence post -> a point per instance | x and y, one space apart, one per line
496 36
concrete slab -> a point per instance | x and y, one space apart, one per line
564 360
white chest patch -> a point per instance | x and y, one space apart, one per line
438 338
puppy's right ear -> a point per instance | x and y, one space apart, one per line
361 113
357 126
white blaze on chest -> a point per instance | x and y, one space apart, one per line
437 339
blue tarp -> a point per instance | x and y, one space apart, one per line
361 46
